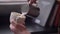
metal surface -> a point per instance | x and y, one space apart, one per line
45 10
13 2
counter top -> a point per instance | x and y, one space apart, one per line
13 2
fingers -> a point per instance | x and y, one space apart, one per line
12 28
21 27
17 27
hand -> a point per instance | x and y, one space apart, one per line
18 28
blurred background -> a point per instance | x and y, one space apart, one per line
49 17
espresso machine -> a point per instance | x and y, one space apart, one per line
7 6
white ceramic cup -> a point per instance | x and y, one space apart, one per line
17 17
13 16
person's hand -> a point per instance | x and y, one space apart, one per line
18 28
